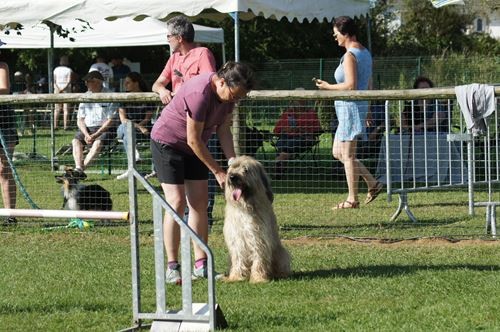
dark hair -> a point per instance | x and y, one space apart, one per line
180 26
422 79
346 26
136 77
237 74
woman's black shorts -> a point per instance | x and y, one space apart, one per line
173 166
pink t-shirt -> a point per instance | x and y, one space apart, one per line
197 100
196 61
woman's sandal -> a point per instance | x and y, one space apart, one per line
374 192
346 205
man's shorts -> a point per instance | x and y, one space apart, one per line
293 144
106 138
173 166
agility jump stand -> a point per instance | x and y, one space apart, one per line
192 316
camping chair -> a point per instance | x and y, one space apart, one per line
307 150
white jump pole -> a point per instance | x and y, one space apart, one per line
108 215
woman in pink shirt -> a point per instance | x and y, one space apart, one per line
179 137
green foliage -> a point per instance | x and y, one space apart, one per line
426 30
480 43
457 69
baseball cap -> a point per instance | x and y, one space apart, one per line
93 75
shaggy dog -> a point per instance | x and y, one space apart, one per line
250 228
83 197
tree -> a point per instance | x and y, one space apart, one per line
426 30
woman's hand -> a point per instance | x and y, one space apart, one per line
220 176
143 129
322 85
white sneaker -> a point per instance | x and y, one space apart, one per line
122 176
202 273
173 276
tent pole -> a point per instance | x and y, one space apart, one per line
369 32
234 15
50 60
236 113
223 53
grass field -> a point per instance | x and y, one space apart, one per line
353 270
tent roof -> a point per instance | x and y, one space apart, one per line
33 12
122 32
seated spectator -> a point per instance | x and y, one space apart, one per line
298 129
95 121
140 115
414 112
369 147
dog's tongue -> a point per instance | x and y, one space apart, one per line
237 194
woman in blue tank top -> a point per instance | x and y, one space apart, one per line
353 73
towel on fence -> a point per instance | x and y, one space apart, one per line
477 102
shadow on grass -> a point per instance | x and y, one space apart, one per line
387 271
463 204
59 307
377 225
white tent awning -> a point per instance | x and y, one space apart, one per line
31 13
122 32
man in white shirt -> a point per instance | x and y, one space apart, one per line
106 71
95 122
62 84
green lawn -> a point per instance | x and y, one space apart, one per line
353 270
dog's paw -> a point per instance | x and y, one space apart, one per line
258 280
233 278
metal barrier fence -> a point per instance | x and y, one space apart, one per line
308 168
192 316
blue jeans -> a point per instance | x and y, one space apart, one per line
121 133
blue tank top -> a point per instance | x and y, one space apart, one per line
363 65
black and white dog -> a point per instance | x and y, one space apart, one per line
83 197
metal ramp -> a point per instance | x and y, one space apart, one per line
199 309
192 316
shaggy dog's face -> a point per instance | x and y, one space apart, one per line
246 178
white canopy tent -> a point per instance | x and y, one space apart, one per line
123 32
30 13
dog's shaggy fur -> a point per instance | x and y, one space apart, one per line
250 228
83 197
